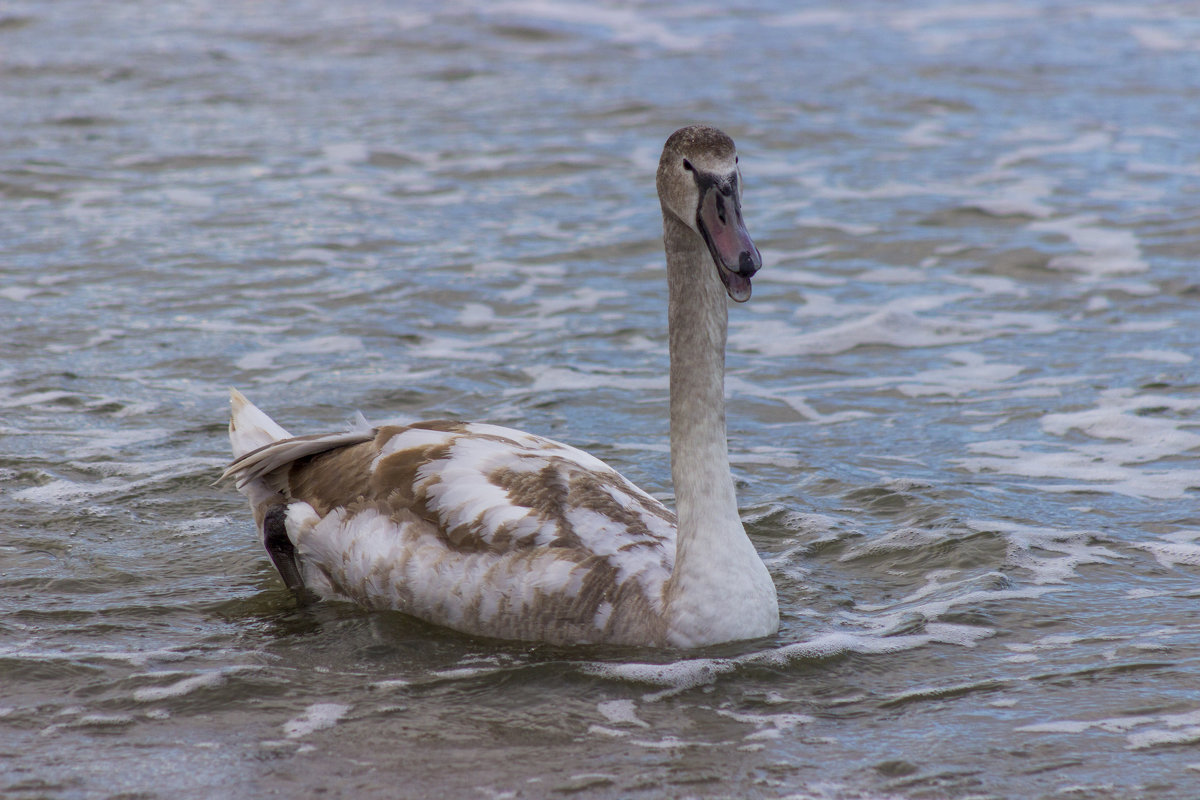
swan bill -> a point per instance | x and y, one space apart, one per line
719 218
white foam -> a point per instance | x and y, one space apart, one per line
559 379
190 198
851 228
1051 642
1171 729
1020 198
464 673
320 345
1129 432
111 444
583 299
670 743
1029 547
101 336
815 18
1173 554
768 726
900 323
680 676
1164 736
1160 39
604 730
34 399
1122 416
899 540
179 688
316 717
204 525
787 273
828 790
621 712
85 720
1165 356
969 375
918 19
1103 249
926 133
476 315
897 275
625 24
1085 143
772 456
1064 726
896 328
1022 658
467 348
819 304
102 720
63 492
343 153
18 294
972 374
836 643
1178 729
133 658
888 190
1143 326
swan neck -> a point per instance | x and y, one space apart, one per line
698 322
719 589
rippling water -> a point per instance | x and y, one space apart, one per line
964 417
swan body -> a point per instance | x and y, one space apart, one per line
497 532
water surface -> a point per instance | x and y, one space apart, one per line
963 400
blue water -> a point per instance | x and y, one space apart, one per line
964 408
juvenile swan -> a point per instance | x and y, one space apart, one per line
496 532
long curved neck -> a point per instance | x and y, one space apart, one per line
719 589
698 319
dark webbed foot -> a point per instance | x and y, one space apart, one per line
283 552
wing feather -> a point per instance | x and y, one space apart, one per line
270 457
482 528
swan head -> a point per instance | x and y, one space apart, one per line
699 184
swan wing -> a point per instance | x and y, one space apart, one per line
485 529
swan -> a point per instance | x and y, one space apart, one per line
499 533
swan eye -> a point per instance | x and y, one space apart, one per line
688 165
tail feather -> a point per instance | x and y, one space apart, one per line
249 427
261 446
